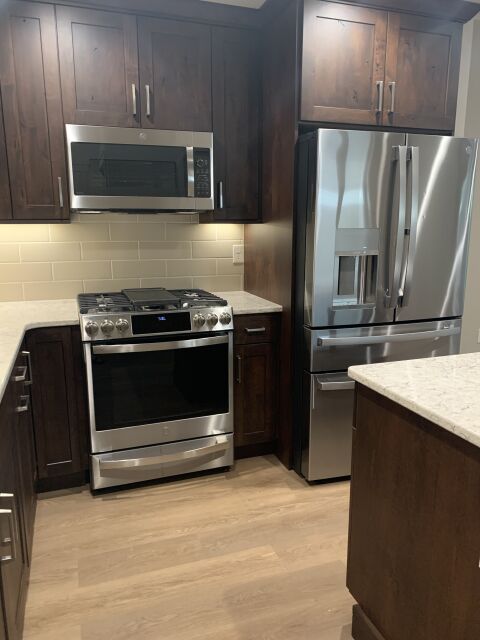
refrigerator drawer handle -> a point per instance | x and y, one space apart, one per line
336 385
400 337
221 444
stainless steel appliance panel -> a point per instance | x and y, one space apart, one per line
327 447
357 186
150 463
439 196
338 349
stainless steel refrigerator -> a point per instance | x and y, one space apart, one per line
381 251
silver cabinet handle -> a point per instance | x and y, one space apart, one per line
380 96
221 444
158 346
255 330
190 173
239 369
220 194
395 270
8 539
25 404
28 356
398 337
413 156
393 90
336 385
60 192
22 374
134 100
148 109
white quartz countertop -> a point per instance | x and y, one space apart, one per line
17 317
444 390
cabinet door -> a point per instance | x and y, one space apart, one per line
32 111
236 96
54 399
254 394
422 71
175 75
99 67
343 63
5 200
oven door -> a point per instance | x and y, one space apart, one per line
153 392
112 168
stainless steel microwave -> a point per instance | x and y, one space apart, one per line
116 169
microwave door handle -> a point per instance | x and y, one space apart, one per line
395 271
190 173
413 153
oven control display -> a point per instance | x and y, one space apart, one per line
161 323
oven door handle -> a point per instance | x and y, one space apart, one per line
143 347
221 444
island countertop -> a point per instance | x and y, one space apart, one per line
444 390
19 317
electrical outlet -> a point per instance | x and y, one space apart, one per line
238 254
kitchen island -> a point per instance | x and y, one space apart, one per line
414 538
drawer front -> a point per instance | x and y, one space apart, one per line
255 328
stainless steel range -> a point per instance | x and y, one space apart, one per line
160 383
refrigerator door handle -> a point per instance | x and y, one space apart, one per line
413 157
392 292
396 337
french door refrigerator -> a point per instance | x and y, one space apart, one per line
381 250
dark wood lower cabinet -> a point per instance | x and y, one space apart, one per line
414 527
255 387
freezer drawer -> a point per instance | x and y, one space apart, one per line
338 349
327 442
148 463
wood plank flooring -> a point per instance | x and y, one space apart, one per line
253 554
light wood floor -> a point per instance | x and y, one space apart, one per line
254 554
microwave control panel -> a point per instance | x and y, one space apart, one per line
202 172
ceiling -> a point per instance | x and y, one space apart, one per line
250 4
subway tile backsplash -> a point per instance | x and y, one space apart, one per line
100 252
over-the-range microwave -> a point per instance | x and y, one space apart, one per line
117 169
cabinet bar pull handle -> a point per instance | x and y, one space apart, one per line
10 539
148 111
22 374
134 100
60 191
239 369
256 330
393 91
28 355
220 194
25 404
380 96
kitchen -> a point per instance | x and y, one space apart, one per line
169 169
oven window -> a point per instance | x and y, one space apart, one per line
157 386
129 170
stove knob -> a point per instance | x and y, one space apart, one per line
91 328
122 325
212 319
107 327
225 318
198 320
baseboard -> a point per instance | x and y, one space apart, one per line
253 450
362 627
63 482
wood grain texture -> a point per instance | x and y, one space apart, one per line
414 525
175 62
423 58
32 110
458 10
269 247
98 65
254 553
343 59
5 199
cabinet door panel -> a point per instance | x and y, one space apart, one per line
99 67
5 200
236 97
343 59
175 66
32 111
254 394
423 60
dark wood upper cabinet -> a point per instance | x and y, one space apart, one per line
236 64
5 199
343 60
99 67
175 75
422 71
32 111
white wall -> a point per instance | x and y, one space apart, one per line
468 124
